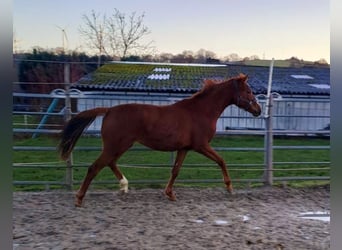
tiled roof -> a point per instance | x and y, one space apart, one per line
188 78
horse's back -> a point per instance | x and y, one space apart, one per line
128 116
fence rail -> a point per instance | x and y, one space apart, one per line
259 166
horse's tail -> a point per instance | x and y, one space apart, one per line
74 128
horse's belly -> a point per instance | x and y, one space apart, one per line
165 142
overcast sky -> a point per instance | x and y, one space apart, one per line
278 29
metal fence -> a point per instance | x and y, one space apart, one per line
36 114
291 114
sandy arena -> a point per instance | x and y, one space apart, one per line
210 218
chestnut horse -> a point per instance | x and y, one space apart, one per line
189 124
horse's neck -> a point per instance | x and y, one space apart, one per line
214 102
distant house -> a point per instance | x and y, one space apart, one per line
303 91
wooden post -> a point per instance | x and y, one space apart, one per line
67 117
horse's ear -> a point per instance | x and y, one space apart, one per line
243 77
208 82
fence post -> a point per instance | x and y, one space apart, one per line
268 172
268 144
67 117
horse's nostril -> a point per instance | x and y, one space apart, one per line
257 112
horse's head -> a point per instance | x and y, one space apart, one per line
244 97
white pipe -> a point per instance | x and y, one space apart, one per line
269 89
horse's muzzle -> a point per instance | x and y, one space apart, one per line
256 110
256 113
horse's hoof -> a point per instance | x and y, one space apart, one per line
171 196
123 191
78 202
123 185
230 189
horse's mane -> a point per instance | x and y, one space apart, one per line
208 85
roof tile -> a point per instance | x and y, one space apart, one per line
120 76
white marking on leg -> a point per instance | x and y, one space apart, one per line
124 184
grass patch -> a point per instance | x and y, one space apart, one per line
135 164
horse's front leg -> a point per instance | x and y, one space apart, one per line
174 173
211 154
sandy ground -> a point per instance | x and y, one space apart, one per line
259 218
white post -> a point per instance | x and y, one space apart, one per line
269 88
268 144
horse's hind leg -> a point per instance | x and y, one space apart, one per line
117 148
93 170
122 179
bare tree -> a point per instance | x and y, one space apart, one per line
126 33
16 43
164 57
321 61
94 32
117 35
232 57
254 57
202 55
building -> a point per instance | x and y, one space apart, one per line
302 94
